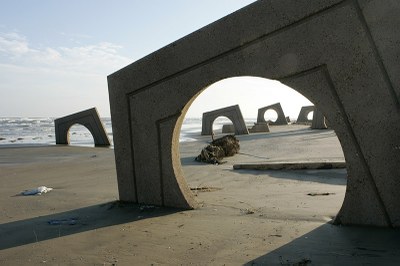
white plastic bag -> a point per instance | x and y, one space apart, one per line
37 191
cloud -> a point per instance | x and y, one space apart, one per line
99 58
52 81
13 44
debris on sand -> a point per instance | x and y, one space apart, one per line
320 194
196 190
205 189
36 191
247 211
213 153
302 262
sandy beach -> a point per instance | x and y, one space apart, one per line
249 217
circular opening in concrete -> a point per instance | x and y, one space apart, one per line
79 135
223 125
298 194
310 115
270 115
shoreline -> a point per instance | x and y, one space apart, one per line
246 216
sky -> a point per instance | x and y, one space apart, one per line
55 55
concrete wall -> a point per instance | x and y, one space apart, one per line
342 55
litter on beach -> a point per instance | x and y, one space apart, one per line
36 191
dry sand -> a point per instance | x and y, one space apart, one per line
246 216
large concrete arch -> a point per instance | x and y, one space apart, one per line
89 119
342 55
281 120
232 112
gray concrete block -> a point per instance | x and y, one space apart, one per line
228 128
232 112
259 127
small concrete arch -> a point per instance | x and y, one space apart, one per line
231 112
89 119
303 115
281 120
317 122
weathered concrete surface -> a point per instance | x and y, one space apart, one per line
342 55
303 115
281 119
232 112
318 121
89 119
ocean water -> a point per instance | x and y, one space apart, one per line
40 130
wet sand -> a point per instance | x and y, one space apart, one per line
246 216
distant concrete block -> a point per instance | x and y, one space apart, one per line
228 128
89 119
232 112
259 127
281 120
303 115
318 121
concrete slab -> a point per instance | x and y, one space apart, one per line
259 127
228 128
300 165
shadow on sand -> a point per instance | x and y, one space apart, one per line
338 245
75 221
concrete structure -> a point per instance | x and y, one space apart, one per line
259 127
303 115
342 55
89 119
228 128
232 112
281 120
318 121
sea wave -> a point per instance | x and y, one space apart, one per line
40 130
